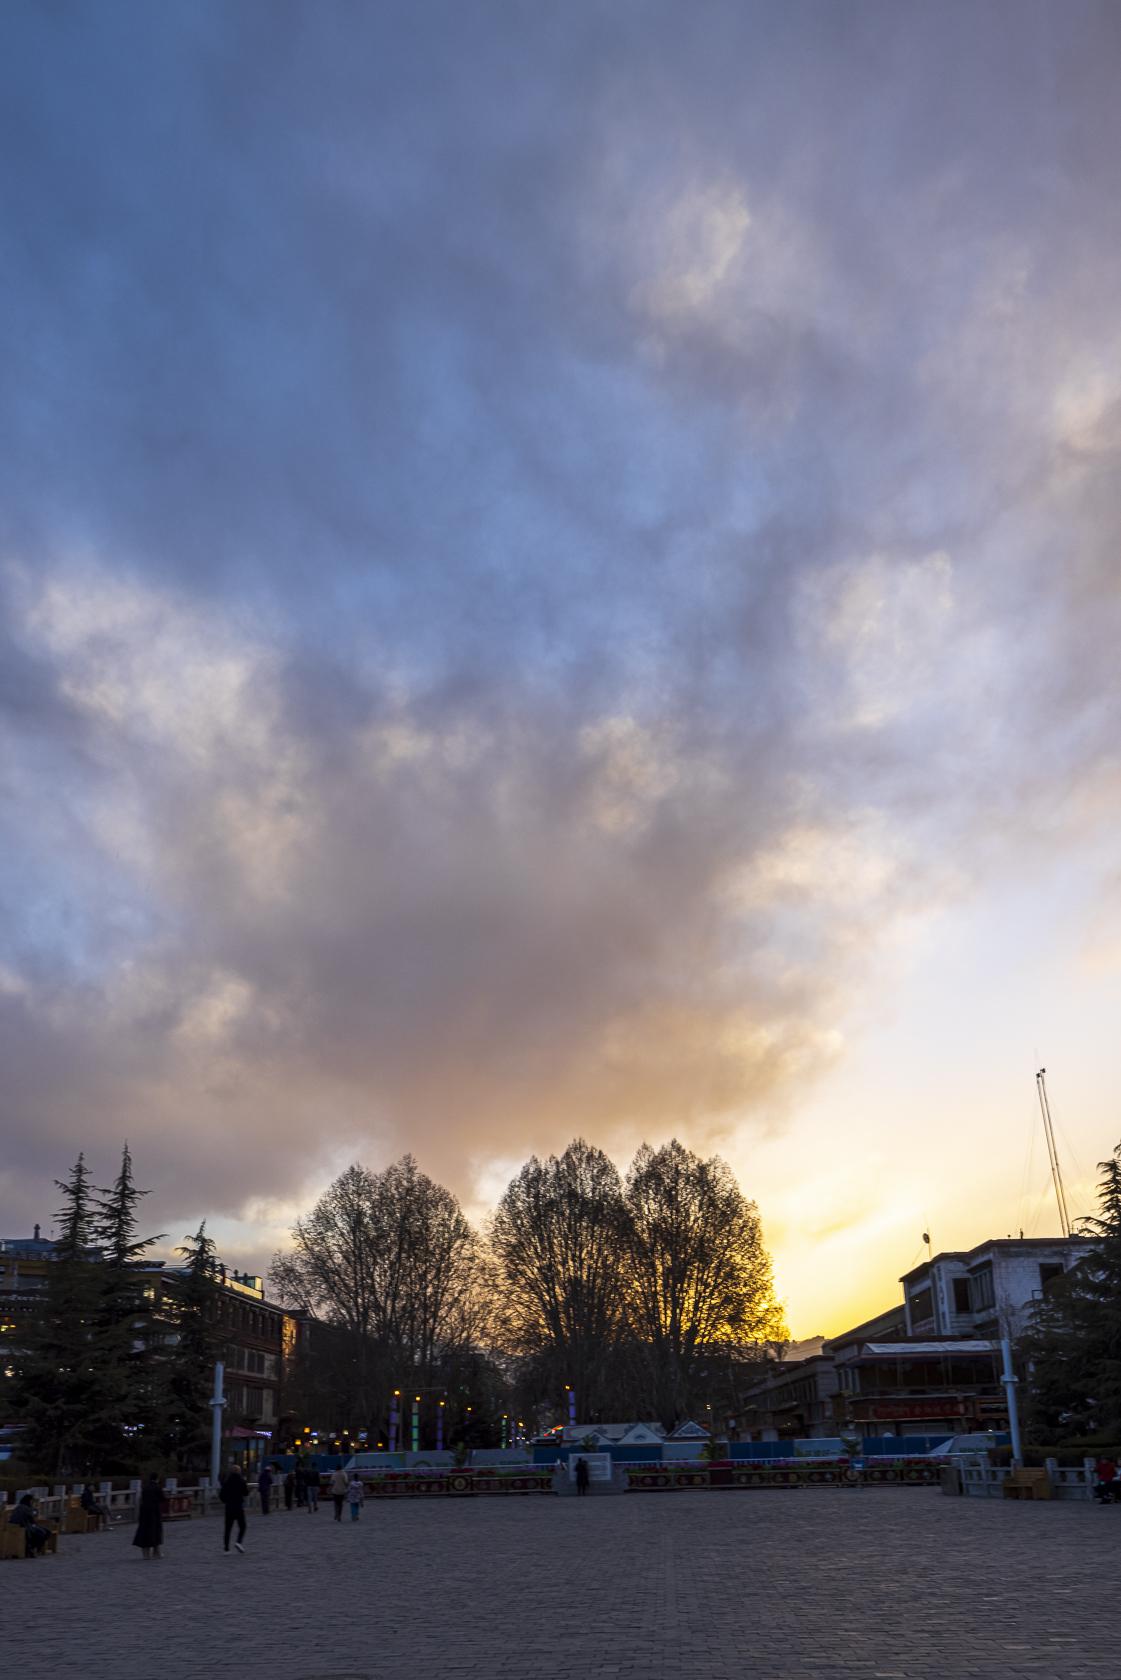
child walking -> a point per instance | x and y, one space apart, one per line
355 1493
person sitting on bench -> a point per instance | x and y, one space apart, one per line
93 1507
24 1517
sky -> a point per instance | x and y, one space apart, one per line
559 575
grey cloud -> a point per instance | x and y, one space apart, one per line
501 460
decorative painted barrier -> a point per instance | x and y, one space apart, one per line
646 1478
455 1484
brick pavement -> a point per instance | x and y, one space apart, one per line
876 1584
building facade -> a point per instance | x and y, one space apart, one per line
931 1364
988 1290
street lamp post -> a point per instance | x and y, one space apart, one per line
217 1405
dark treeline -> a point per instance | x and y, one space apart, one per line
651 1295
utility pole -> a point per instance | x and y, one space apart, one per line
1052 1151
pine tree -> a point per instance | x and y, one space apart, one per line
61 1391
1074 1343
127 1341
194 1344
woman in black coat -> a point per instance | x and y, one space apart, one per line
149 1526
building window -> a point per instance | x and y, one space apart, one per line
983 1296
922 1306
1049 1270
961 1295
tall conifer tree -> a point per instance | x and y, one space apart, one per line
128 1339
1073 1346
64 1387
189 1368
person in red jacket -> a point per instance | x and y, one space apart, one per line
1106 1491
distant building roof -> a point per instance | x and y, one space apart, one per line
923 1350
31 1248
689 1431
620 1434
969 1255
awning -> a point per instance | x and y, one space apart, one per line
922 1350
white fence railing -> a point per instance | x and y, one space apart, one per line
982 1480
53 1502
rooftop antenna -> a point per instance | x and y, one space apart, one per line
1052 1152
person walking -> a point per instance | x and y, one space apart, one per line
264 1488
313 1490
289 1490
149 1518
355 1493
581 1477
299 1484
233 1493
339 1486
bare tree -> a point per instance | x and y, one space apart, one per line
558 1241
699 1278
390 1258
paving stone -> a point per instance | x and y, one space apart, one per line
889 1584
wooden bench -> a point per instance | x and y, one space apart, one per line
13 1540
179 1505
76 1519
1027 1484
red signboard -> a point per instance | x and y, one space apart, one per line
909 1409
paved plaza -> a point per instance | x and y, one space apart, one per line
891 1584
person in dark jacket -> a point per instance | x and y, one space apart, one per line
581 1476
149 1515
299 1483
289 1490
93 1507
233 1493
264 1488
35 1534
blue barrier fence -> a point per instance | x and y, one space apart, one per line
871 1446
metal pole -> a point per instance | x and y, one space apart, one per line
393 1420
1009 1379
216 1407
1052 1151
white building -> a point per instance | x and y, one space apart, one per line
986 1291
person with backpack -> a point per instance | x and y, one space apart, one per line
233 1493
